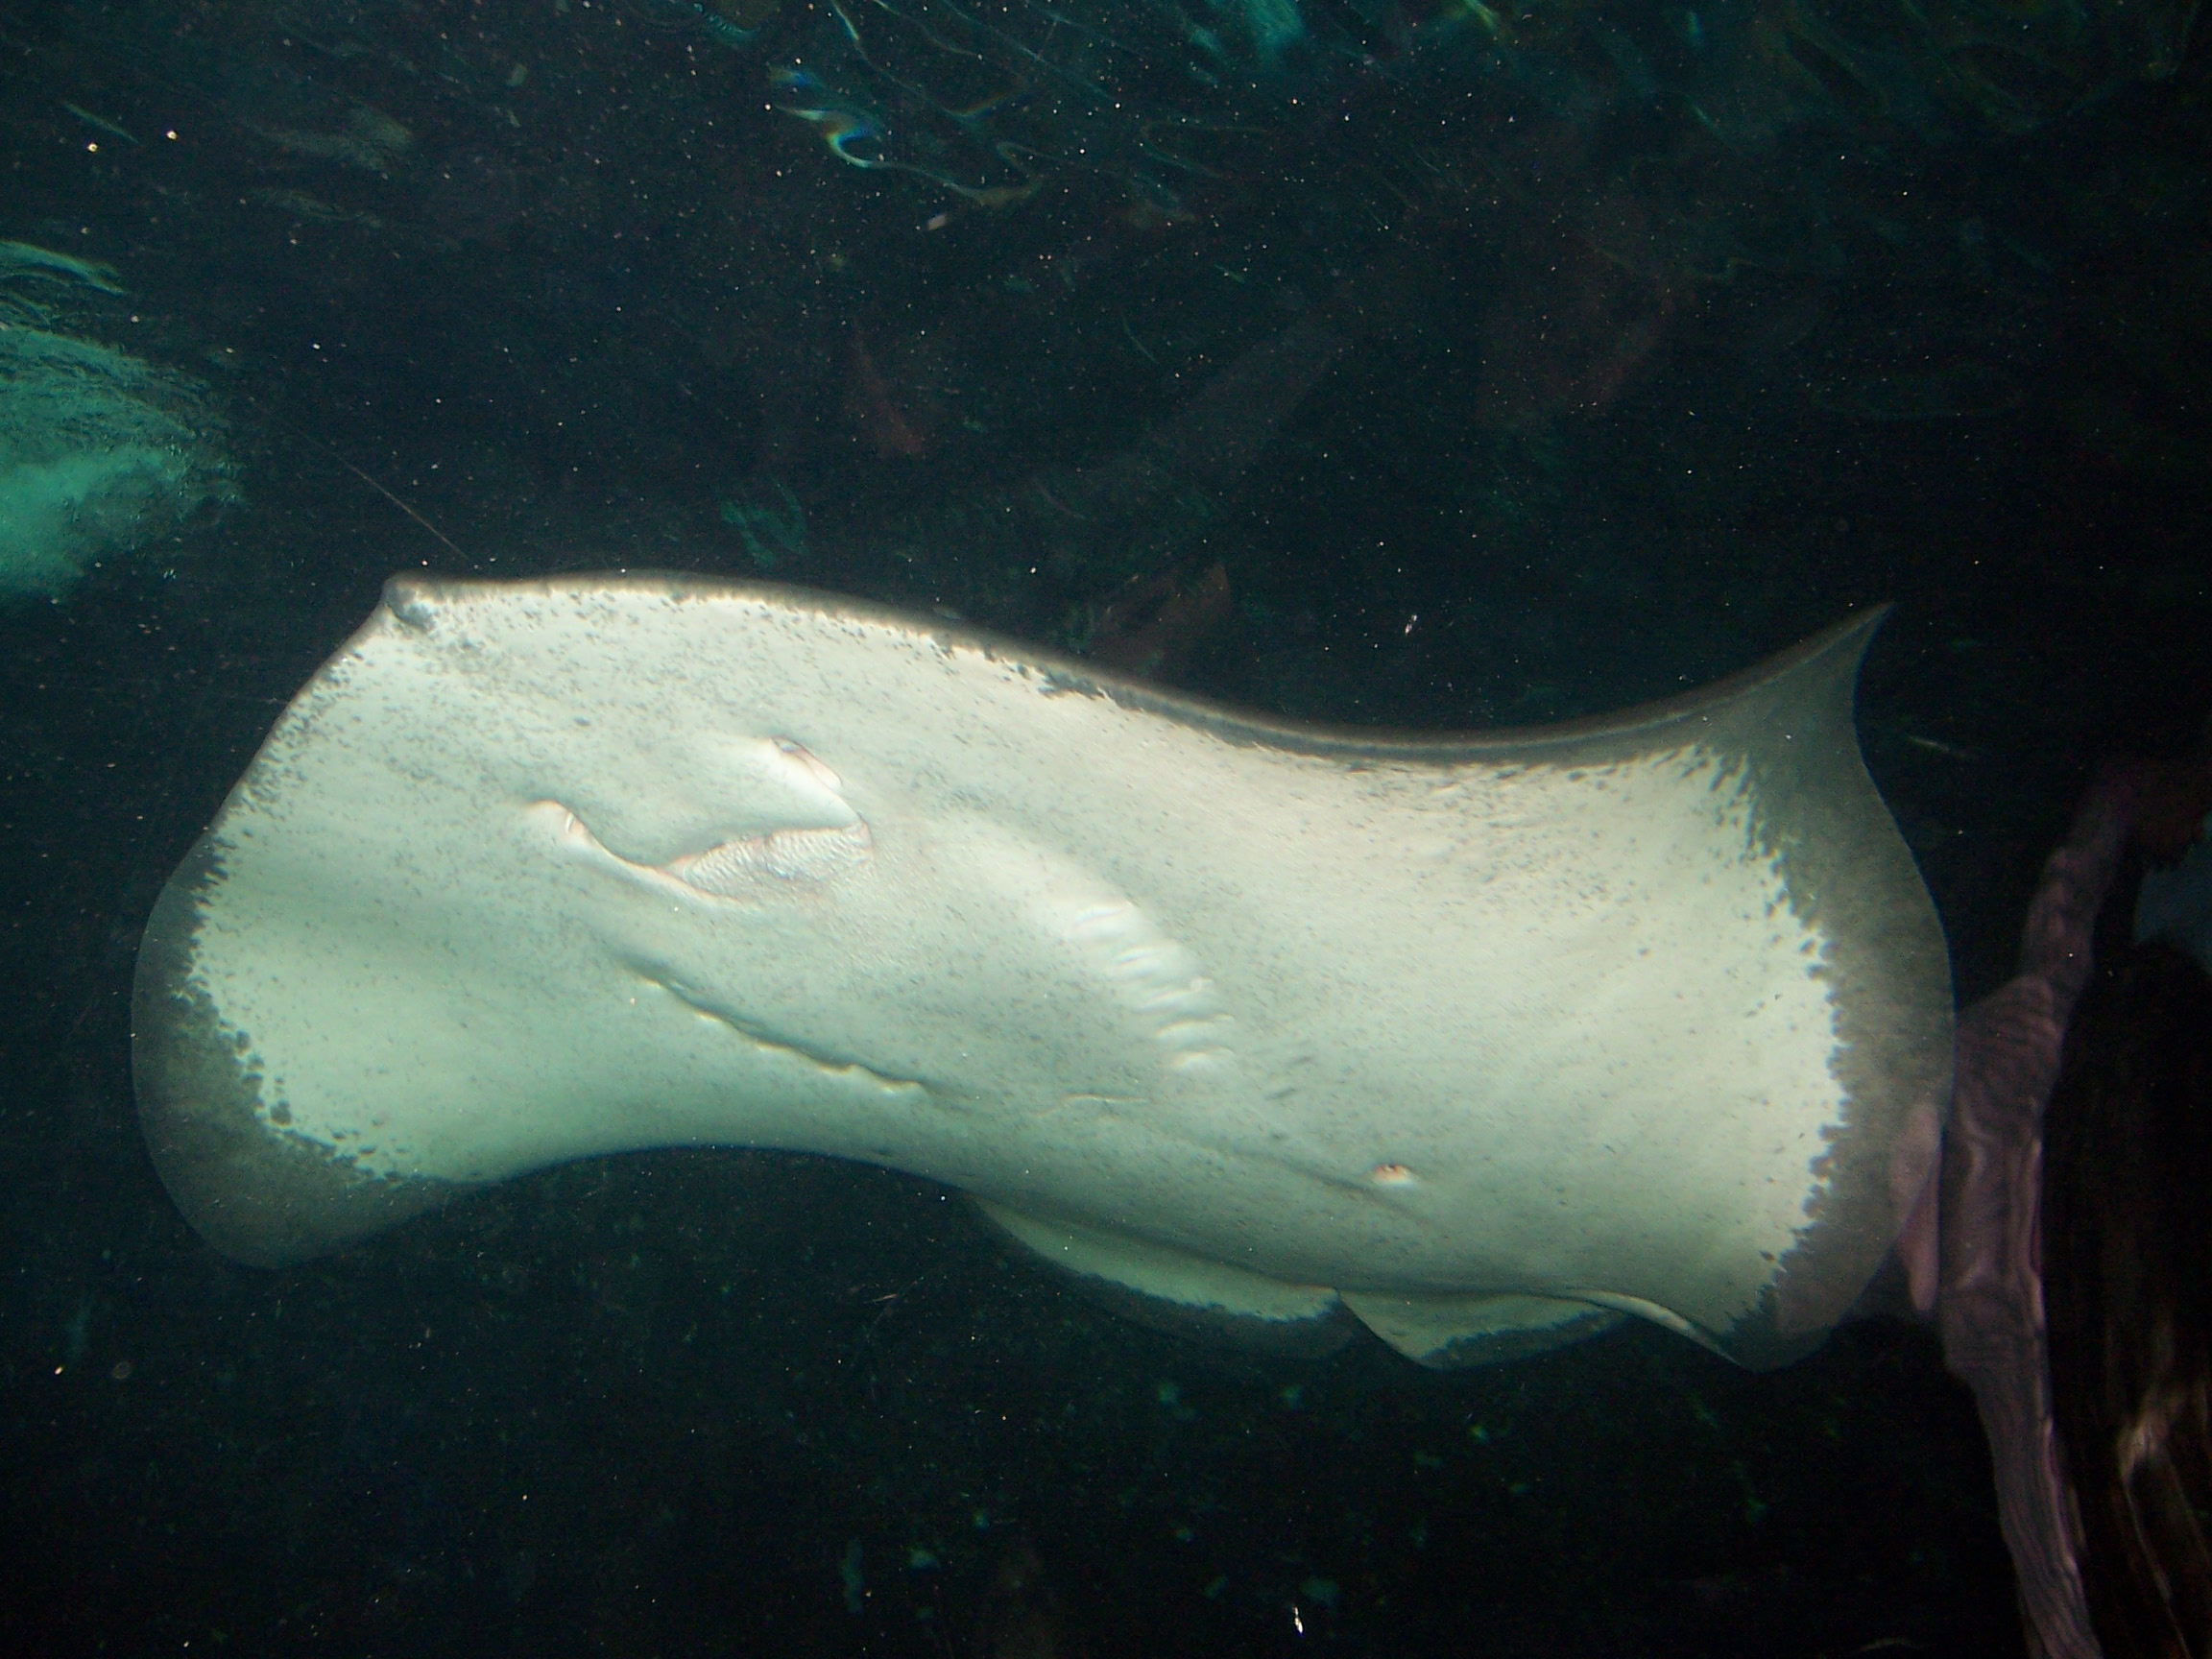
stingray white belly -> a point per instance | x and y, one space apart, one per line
1494 1032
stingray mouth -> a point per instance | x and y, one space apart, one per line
744 867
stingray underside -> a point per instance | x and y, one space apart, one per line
1484 1042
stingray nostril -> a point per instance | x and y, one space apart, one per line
819 769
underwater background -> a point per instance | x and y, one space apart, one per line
1420 368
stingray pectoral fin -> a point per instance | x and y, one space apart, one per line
269 1197
1183 1294
1453 1333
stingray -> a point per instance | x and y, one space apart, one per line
1482 1040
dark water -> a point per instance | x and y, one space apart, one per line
1638 344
